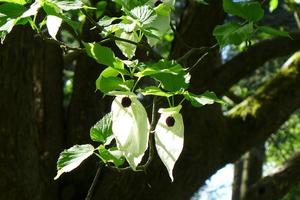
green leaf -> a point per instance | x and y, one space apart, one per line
71 158
6 28
233 33
112 155
102 130
103 55
203 99
21 2
152 90
144 14
251 11
108 81
33 10
153 36
106 21
274 32
12 10
170 74
52 9
130 4
273 4
161 24
67 4
126 48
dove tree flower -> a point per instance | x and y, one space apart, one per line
130 127
169 136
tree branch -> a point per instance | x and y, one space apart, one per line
257 117
246 62
278 184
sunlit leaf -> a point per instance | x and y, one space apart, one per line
127 48
202 99
152 90
71 158
273 4
112 155
102 130
108 81
170 74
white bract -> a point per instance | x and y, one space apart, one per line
53 23
169 137
130 127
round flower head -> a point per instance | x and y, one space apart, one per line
130 127
169 134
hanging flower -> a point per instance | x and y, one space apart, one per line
130 126
169 137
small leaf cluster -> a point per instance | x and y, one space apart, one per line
248 14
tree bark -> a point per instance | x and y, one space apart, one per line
257 117
276 185
31 116
237 179
248 61
252 168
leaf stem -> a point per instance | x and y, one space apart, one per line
94 183
169 102
135 84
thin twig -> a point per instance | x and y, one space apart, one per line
198 61
94 183
195 49
62 45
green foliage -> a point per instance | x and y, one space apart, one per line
102 130
250 11
112 155
103 55
71 158
203 99
171 75
273 32
273 4
233 33
153 90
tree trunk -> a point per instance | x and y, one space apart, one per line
31 116
247 171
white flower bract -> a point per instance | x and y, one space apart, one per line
169 139
130 128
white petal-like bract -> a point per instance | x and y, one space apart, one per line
169 137
130 128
